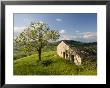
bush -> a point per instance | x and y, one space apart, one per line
19 55
46 62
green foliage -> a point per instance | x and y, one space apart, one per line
35 37
19 55
52 64
46 62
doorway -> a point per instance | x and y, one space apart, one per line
63 54
72 58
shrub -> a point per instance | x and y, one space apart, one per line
19 55
46 62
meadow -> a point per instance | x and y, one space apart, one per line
51 64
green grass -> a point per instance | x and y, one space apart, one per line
51 64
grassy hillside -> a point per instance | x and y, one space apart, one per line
51 64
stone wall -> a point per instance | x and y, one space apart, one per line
62 47
64 51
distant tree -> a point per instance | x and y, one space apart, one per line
35 37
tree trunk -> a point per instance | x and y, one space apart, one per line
39 53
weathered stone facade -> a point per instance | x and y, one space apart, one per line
65 51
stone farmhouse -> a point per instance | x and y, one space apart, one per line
67 50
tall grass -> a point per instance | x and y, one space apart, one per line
51 64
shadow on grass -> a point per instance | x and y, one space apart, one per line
46 62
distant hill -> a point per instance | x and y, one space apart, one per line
85 50
73 42
91 48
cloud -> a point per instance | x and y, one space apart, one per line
62 31
17 30
84 37
76 31
89 35
67 37
58 19
26 19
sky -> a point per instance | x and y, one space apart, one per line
71 26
